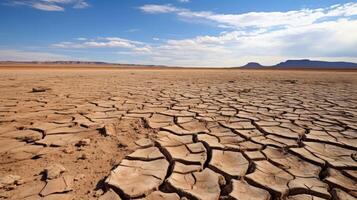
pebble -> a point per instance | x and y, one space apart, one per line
83 142
54 171
83 156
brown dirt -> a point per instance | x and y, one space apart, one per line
300 126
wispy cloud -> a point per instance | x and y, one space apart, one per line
266 37
132 30
258 19
327 40
156 9
49 5
333 40
81 39
105 42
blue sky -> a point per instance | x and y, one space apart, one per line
178 32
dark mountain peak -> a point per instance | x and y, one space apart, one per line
252 65
306 63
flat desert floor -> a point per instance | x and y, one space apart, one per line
175 134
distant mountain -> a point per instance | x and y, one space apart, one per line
289 64
312 64
252 65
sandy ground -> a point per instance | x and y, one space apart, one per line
182 133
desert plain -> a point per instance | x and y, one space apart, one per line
139 133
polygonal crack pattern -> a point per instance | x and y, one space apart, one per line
255 139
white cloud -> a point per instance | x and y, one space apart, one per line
132 30
81 5
184 1
154 9
81 39
106 42
327 40
49 5
330 40
258 19
18 55
265 37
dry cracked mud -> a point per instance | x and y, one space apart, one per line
177 134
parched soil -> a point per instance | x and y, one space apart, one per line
178 134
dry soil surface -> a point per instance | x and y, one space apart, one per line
177 134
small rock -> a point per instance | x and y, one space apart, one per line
20 182
98 193
289 81
54 171
245 90
68 150
109 130
40 89
122 145
28 135
79 177
83 156
10 187
221 181
83 142
10 181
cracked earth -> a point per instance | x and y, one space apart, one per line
177 134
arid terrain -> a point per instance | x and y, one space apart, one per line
209 134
